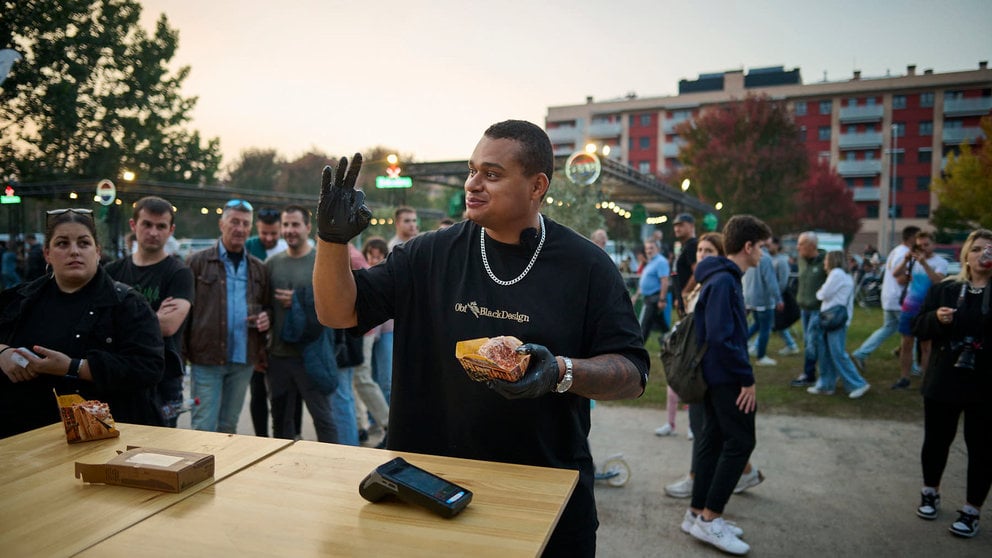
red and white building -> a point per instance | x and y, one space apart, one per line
887 137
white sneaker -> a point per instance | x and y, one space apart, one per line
689 518
681 488
665 430
719 535
690 436
752 350
749 480
859 392
785 351
766 361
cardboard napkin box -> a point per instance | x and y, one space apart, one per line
151 468
85 420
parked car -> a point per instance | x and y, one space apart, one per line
189 245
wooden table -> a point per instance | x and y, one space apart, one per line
46 511
304 501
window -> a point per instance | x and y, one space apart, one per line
644 167
953 124
850 182
926 99
926 128
899 129
645 120
899 157
852 129
630 144
870 102
852 102
849 156
953 94
898 184
823 133
923 210
633 120
924 155
799 107
826 107
895 210
871 211
868 183
898 101
869 155
922 183
645 143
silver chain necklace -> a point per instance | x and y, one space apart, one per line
485 260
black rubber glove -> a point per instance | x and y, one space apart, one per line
341 212
541 376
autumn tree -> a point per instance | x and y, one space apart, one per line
823 202
966 187
94 95
748 155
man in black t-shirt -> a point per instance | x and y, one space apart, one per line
507 270
165 282
685 231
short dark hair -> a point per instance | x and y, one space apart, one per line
741 229
294 208
375 243
156 206
535 154
909 233
269 215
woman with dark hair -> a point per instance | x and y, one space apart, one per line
958 380
76 331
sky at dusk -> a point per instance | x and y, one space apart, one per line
427 78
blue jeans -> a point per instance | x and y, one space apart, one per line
382 363
834 361
811 332
888 329
787 338
762 325
221 391
343 409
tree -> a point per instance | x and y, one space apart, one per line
823 202
255 169
966 187
94 95
748 155
573 205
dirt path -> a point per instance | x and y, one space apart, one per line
834 487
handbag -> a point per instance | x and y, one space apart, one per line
790 313
833 318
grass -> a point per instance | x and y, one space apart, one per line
776 396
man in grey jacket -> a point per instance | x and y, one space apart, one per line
762 297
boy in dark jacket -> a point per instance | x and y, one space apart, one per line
727 438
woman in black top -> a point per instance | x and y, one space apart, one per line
956 317
89 335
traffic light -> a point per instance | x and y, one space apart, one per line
393 170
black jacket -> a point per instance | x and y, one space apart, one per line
120 338
943 381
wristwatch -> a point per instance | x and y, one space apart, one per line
566 381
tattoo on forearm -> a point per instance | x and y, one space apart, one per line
608 377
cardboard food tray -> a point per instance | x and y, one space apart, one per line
150 468
80 425
480 368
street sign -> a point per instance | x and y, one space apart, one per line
391 182
106 192
8 196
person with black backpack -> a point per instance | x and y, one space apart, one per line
728 435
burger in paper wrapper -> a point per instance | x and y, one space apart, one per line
86 420
487 358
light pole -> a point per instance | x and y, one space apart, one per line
892 198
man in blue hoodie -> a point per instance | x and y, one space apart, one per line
727 438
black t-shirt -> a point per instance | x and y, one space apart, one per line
683 267
167 278
573 301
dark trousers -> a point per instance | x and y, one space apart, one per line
652 317
725 446
259 406
288 382
939 430
697 420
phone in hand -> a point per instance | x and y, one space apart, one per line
19 359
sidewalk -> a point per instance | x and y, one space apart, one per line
833 488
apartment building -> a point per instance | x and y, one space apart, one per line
887 137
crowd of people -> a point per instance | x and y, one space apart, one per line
363 334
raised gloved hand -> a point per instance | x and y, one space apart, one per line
541 376
341 212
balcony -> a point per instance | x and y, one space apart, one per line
975 106
860 140
605 129
671 149
866 193
870 113
565 134
955 136
869 167
669 126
